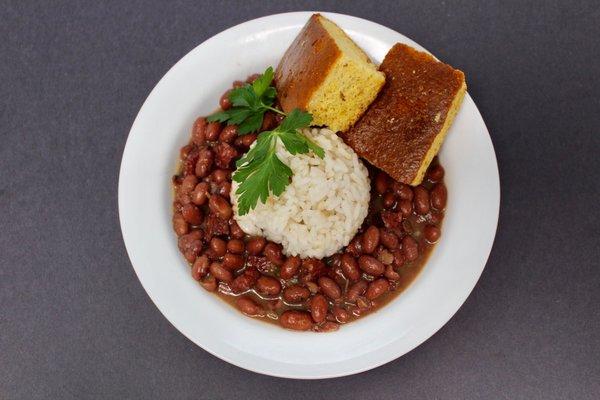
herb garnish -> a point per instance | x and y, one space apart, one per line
249 104
260 172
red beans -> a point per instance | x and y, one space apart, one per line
410 248
224 189
439 196
295 294
218 247
391 274
220 175
268 285
399 258
330 288
355 247
435 173
421 200
233 261
255 245
224 155
188 184
243 283
404 192
204 163
273 253
342 316
185 151
213 129
235 246
350 267
200 194
432 233
220 207
370 239
210 283
296 320
327 326
371 265
190 245
188 164
318 308
388 239
180 226
235 231
290 267
200 267
228 134
391 220
382 182
377 288
224 102
311 269
199 131
191 214
406 207
268 122
249 307
252 78
220 272
436 218
245 141
356 291
388 200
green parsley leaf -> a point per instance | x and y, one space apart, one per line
294 141
252 123
263 82
244 97
249 104
220 116
296 119
260 172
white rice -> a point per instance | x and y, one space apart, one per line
323 207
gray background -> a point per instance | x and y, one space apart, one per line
74 321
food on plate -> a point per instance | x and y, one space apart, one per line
322 208
253 273
405 126
281 218
326 74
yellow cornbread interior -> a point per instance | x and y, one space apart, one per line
439 139
351 84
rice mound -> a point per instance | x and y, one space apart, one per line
322 208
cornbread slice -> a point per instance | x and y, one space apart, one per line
325 73
405 126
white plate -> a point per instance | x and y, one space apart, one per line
192 88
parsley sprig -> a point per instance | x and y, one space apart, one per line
249 104
260 172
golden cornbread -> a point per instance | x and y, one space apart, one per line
403 129
325 73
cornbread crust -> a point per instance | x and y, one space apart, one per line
405 126
325 73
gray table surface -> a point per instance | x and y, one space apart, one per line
74 321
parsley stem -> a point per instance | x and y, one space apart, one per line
274 109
